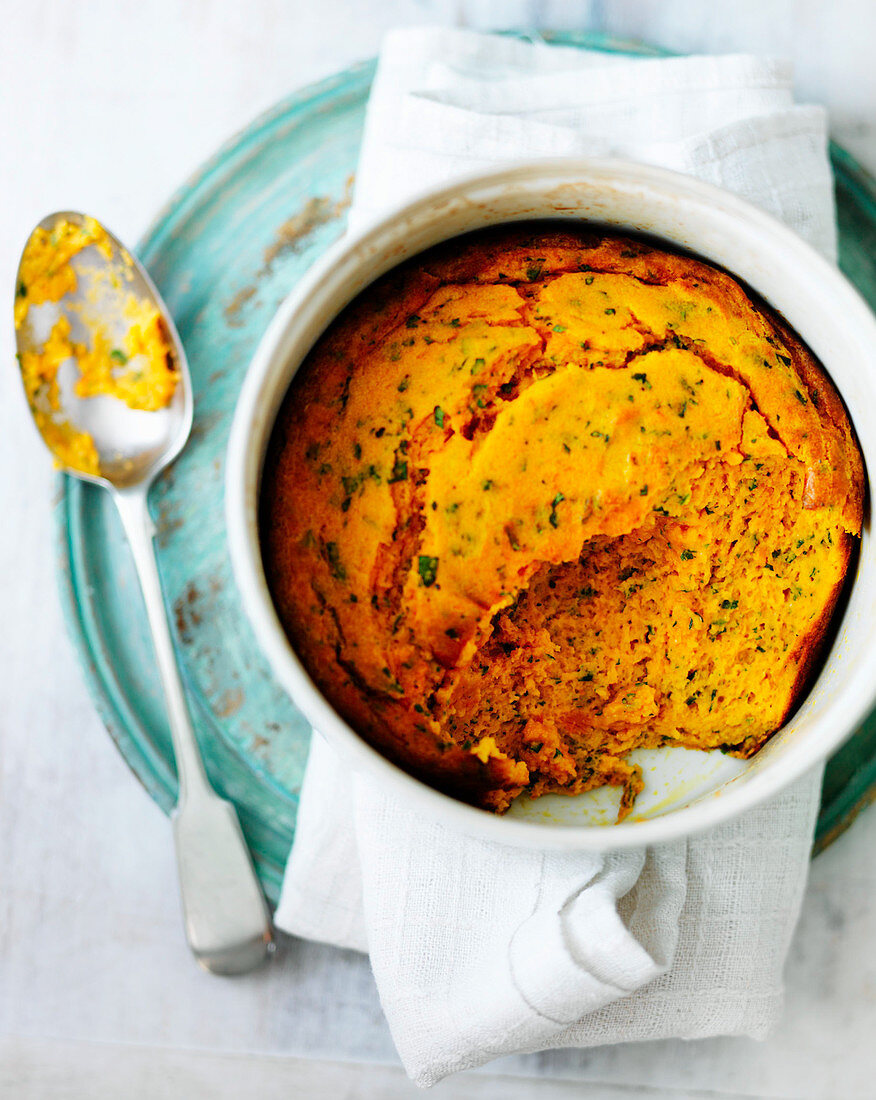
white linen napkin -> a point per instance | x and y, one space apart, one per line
480 950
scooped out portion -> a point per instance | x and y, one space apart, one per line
542 496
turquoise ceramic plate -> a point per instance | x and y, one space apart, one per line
226 250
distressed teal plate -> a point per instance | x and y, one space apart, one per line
226 250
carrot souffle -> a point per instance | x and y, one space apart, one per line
543 496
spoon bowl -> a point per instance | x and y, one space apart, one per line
133 446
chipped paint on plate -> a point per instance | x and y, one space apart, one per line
225 251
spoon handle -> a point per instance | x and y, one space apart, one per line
226 917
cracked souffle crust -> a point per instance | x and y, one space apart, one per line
541 497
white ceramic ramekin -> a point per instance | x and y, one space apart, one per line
687 791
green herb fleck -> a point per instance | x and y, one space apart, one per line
554 520
334 560
21 292
800 397
399 471
686 555
118 356
428 569
439 416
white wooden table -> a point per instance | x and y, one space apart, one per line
98 995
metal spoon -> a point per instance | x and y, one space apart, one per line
226 917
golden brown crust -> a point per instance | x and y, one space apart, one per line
814 643
542 496
822 393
